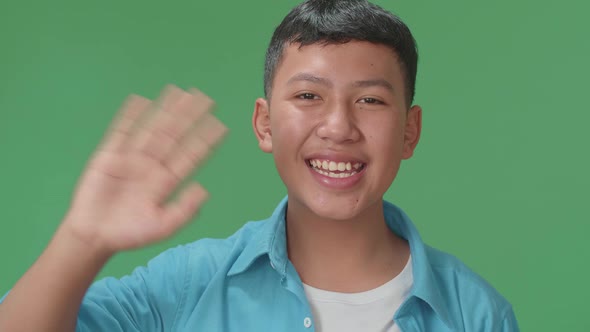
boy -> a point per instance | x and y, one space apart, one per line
337 117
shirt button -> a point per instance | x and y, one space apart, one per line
307 322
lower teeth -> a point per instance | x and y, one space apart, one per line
334 175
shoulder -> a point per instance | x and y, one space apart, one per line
466 292
197 261
217 250
209 256
157 294
458 277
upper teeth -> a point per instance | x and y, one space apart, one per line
329 165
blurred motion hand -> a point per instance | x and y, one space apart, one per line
121 200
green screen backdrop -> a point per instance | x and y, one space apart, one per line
500 177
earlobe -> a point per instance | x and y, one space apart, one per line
412 131
261 125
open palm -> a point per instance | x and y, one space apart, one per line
121 201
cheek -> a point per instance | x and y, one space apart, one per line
287 137
384 133
386 141
291 127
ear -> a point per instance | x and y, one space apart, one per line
412 131
261 125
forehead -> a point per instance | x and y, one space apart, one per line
340 62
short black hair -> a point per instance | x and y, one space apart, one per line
338 22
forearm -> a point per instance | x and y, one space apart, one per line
48 296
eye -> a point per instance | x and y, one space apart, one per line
370 100
307 96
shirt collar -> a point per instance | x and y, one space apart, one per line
425 285
271 239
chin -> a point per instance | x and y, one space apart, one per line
336 208
337 214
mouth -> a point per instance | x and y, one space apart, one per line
336 169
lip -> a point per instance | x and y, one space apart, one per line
336 183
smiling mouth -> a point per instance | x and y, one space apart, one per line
335 169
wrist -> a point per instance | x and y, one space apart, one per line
83 240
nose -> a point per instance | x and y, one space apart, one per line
338 124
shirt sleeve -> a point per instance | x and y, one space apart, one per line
146 300
509 323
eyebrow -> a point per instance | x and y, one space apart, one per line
310 78
307 77
376 82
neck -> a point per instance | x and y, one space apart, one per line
347 256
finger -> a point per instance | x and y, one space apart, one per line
201 97
170 124
179 212
120 129
189 155
196 147
210 129
169 96
164 130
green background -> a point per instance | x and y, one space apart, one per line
499 179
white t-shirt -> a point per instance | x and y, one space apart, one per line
370 311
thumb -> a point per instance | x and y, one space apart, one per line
177 213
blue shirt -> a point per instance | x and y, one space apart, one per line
246 283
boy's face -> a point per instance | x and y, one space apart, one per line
338 106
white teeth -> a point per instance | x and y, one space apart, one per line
334 175
334 166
